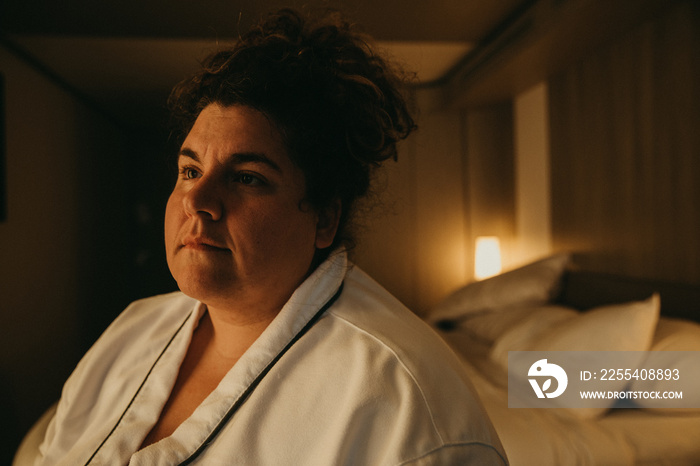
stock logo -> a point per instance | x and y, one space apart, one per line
541 369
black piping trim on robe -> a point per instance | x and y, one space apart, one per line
239 402
241 399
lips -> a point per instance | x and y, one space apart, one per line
203 244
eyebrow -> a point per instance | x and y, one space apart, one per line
236 158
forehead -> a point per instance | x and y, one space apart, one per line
220 133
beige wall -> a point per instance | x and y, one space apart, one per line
413 242
453 182
532 175
489 178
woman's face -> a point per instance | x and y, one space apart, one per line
237 232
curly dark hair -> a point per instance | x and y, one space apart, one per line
336 103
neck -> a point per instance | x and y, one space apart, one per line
229 335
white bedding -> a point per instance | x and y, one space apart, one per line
484 331
546 437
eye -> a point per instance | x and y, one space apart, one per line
189 173
248 179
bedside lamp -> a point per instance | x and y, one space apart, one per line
487 258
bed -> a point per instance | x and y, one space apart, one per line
549 305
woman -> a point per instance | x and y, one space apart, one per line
276 350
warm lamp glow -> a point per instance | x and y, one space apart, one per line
487 260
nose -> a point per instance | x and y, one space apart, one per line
203 200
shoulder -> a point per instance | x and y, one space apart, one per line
422 369
110 372
368 308
144 326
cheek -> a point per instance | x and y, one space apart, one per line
286 232
171 223
300 234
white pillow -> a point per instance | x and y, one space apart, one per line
623 327
533 284
682 337
619 327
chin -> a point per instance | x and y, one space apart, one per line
203 285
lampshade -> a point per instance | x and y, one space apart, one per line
487 259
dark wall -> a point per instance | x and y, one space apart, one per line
82 237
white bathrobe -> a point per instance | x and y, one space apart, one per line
364 383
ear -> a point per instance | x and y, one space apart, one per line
327 225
